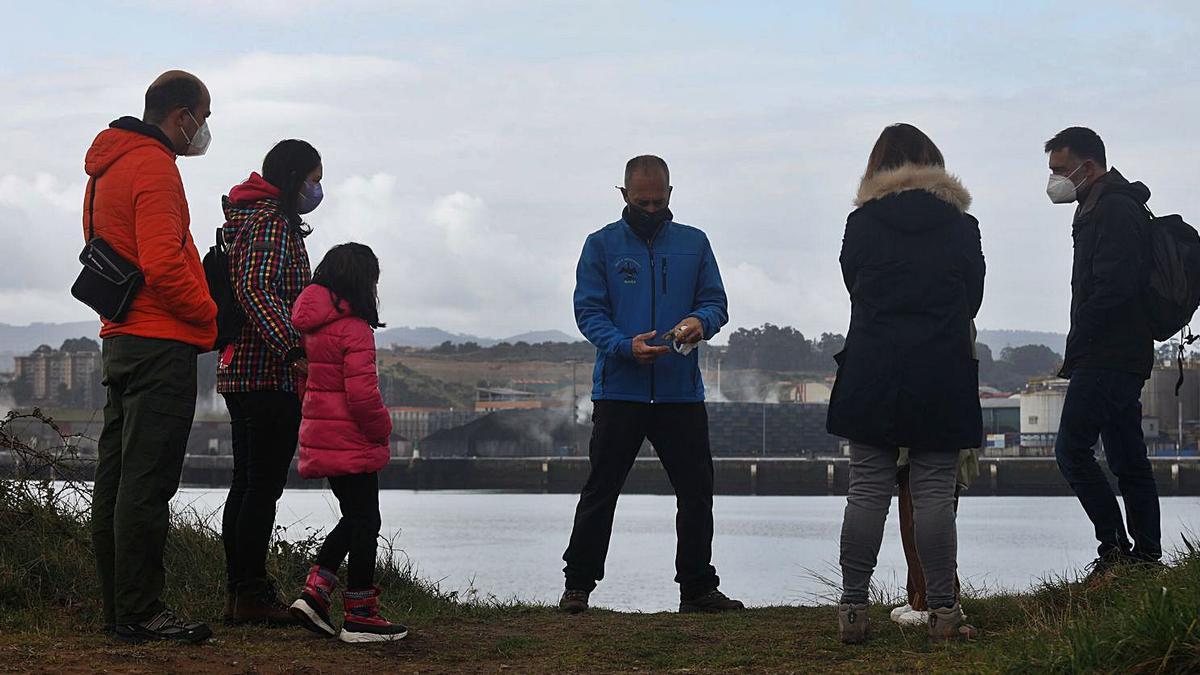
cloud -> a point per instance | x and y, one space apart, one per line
476 152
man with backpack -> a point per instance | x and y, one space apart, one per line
1110 349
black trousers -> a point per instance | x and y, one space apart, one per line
151 388
1107 404
357 532
679 434
265 426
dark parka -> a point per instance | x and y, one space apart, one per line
912 261
1109 326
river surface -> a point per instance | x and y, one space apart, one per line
767 550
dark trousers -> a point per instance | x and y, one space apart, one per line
151 387
908 539
357 532
265 426
1107 404
679 433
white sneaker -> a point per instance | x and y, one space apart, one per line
913 618
901 611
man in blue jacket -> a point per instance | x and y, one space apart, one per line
640 278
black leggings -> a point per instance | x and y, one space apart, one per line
357 532
265 425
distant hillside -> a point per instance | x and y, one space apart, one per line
999 339
425 337
539 336
20 340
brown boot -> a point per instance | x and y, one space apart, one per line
854 626
949 623
230 605
258 602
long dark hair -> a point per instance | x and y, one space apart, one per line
902 144
351 273
286 167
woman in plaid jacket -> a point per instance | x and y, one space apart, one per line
261 373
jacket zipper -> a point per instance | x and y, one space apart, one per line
653 305
664 275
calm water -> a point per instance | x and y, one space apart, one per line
768 550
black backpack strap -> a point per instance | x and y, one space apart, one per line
1186 337
92 209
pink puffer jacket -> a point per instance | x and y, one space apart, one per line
346 427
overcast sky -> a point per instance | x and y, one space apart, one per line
475 145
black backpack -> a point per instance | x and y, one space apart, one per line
230 316
1172 291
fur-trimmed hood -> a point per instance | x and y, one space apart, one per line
932 179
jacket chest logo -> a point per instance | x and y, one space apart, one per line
629 268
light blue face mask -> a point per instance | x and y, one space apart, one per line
311 195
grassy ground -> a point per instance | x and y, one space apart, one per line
1138 621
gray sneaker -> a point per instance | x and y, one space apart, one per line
854 626
949 623
574 602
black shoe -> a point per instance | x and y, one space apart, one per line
711 602
165 626
574 602
1101 570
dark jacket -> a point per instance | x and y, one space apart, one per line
912 261
1109 325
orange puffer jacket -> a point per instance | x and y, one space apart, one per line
141 211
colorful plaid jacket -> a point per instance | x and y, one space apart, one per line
268 265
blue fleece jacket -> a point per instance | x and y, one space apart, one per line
625 287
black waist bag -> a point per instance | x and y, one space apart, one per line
108 282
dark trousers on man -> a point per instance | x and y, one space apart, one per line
679 434
1106 404
265 426
151 387
357 533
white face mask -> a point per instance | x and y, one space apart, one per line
1061 189
198 144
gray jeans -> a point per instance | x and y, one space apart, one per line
932 477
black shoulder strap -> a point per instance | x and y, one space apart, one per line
92 209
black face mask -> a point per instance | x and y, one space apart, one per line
645 224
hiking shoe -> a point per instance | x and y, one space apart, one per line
949 623
854 626
311 610
258 602
363 622
164 626
573 602
1102 569
711 602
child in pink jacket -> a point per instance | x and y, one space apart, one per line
344 438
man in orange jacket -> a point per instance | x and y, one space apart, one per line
149 357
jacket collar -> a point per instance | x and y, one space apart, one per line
932 179
130 123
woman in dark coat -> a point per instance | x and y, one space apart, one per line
912 262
